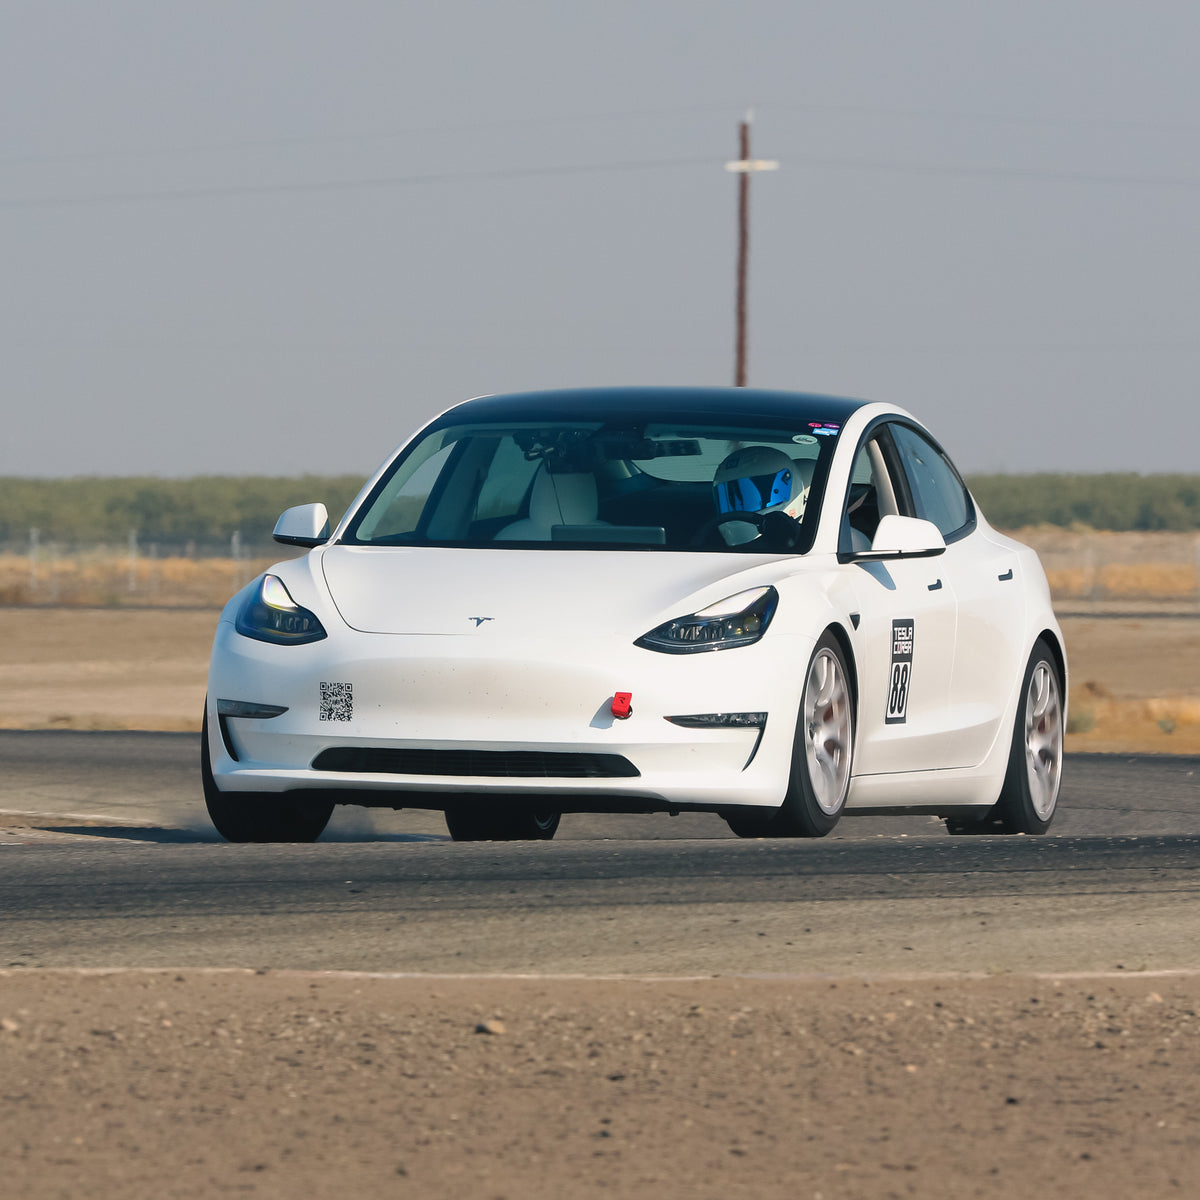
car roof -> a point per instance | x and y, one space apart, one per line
618 403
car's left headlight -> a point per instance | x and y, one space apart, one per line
269 614
738 621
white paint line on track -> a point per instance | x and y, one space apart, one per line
501 977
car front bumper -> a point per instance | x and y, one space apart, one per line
359 694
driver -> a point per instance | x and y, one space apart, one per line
762 480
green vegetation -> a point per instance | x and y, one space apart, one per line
1120 502
208 510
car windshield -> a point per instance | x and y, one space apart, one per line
676 484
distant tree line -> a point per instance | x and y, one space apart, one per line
206 510
1119 502
209 510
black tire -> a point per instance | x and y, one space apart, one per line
822 754
1029 797
492 822
751 824
260 816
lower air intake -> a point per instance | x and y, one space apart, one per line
489 764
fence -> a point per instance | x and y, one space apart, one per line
1085 569
1095 567
135 575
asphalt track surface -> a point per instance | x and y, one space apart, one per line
123 869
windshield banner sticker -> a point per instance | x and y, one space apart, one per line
902 657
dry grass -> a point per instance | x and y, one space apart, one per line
108 580
1101 565
1125 581
1135 682
1080 565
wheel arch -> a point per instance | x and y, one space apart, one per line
1054 640
838 632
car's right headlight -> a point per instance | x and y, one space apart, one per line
269 614
738 621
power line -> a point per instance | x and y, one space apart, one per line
338 185
357 138
1034 173
361 137
368 183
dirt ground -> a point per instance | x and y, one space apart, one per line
281 1085
1135 680
197 1084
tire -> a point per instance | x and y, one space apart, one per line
260 816
751 824
1029 797
492 822
822 754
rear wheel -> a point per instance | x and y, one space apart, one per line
1029 797
260 816
490 822
822 754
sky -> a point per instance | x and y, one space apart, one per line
259 236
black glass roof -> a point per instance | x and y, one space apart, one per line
642 403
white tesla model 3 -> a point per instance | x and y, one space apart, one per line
779 607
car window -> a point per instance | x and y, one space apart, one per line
398 509
937 491
578 482
505 487
862 510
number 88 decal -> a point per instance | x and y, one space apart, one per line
901 673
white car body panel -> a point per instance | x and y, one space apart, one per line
511 649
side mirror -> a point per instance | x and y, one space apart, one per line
304 525
903 537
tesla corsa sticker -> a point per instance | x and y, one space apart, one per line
901 673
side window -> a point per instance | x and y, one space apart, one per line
938 493
863 508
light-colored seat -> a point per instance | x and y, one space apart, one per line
568 499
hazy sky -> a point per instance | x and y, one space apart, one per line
274 237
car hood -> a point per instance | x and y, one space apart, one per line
402 590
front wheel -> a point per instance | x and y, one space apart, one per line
822 754
260 816
493 823
1029 797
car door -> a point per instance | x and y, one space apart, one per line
904 641
984 575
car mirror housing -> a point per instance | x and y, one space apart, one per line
304 525
903 537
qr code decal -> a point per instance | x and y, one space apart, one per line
337 701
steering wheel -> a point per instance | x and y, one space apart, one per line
779 531
715 522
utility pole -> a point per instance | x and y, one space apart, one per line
744 165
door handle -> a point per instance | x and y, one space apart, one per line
936 587
1006 576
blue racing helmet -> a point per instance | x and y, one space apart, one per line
757 479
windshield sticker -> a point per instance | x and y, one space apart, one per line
824 428
804 439
901 673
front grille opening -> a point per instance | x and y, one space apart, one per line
490 764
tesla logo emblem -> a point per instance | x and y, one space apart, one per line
480 620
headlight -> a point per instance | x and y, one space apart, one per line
739 621
271 615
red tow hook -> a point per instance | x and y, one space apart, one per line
622 706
